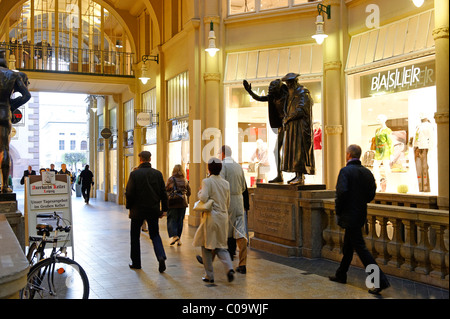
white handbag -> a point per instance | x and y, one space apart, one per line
200 206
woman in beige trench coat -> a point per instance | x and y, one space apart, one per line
212 234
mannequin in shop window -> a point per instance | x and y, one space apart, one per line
261 160
10 82
318 150
383 151
423 142
276 97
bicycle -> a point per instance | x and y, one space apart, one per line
55 277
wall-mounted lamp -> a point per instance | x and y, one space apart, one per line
119 44
144 71
212 50
320 35
418 3
94 109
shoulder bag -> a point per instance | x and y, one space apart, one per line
200 206
175 198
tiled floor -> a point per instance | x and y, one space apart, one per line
101 236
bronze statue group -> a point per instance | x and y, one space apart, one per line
290 112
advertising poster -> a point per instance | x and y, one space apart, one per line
44 195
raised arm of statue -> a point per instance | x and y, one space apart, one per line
248 88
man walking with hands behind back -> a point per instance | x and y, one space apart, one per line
354 189
147 200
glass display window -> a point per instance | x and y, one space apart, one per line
152 149
101 171
253 140
179 150
113 171
391 116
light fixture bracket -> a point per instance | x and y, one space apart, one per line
324 9
154 58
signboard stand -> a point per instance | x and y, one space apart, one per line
46 194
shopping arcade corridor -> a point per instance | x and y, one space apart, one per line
101 235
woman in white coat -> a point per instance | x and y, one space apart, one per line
212 234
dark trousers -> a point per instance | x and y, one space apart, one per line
86 192
354 241
175 217
135 234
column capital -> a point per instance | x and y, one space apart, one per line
332 65
441 118
440 33
211 77
333 129
207 20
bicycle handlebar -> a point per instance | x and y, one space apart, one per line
58 218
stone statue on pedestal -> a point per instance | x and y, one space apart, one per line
10 82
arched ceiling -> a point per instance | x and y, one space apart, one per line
129 11
136 7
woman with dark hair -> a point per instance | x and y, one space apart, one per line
179 185
212 234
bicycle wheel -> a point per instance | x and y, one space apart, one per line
56 278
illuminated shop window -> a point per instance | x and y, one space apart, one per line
178 96
391 116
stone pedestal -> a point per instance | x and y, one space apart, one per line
8 207
14 265
277 218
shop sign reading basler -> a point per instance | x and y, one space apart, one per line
46 194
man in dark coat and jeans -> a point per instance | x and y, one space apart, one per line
147 200
86 181
354 189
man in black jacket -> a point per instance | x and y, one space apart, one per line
354 189
86 181
147 200
27 173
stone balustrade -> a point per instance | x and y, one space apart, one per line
407 242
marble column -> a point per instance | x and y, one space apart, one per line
332 92
440 34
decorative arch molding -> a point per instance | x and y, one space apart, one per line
126 20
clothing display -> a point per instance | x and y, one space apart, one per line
423 141
400 151
318 139
383 143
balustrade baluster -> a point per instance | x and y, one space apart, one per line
371 236
326 233
437 255
381 243
407 249
422 250
395 244
336 235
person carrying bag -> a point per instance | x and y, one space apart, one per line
178 192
